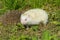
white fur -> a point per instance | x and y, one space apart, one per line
34 16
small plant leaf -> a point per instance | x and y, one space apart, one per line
46 35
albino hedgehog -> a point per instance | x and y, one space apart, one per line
34 17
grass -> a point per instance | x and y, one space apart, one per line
18 32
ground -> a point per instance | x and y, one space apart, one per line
18 32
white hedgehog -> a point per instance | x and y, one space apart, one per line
34 17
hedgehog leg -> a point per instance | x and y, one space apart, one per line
45 22
26 26
41 24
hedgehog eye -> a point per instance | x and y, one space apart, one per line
25 19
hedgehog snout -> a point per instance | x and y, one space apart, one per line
23 22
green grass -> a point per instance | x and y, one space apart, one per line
18 32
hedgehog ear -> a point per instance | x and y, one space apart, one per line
28 15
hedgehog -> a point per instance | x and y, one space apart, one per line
34 17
